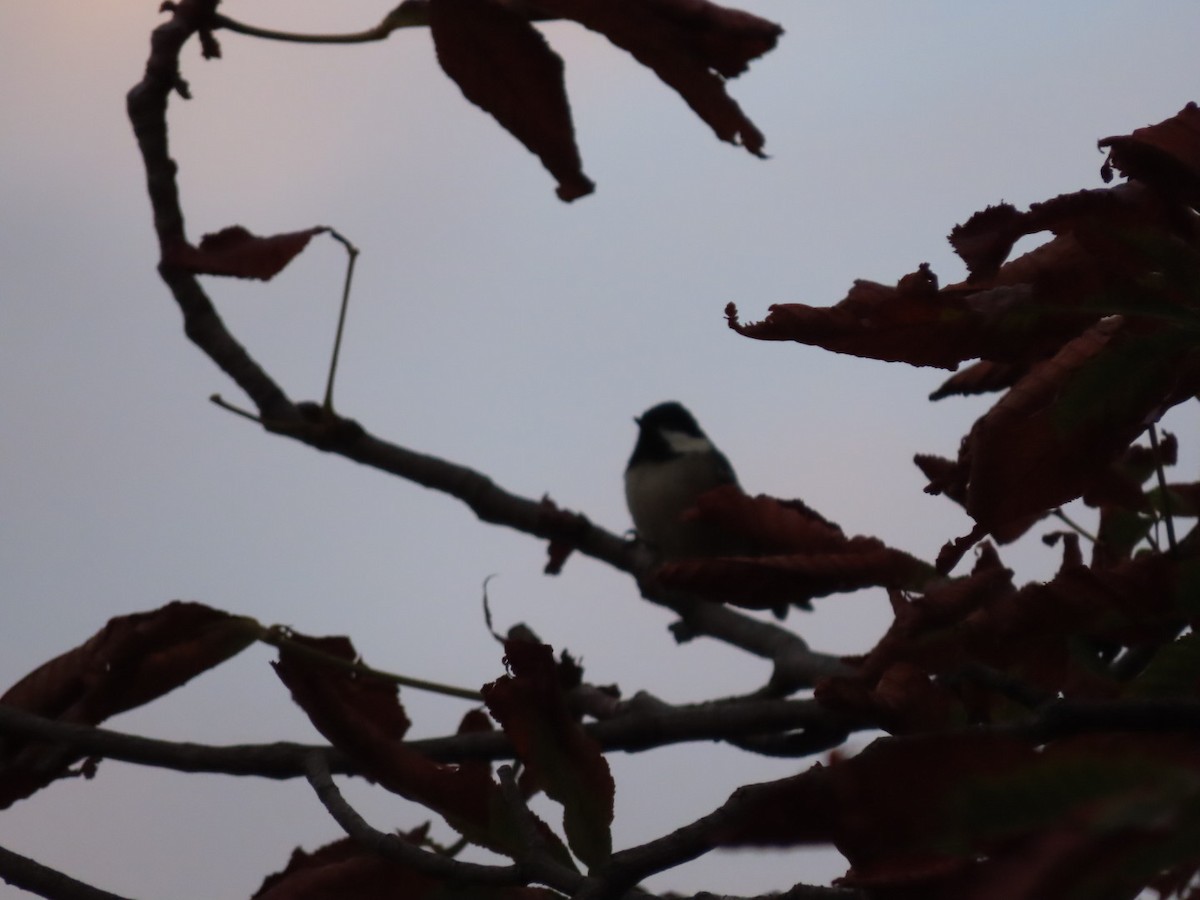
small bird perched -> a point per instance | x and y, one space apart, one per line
673 463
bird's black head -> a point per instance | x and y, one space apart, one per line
659 430
669 416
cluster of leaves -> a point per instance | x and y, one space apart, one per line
1092 337
137 658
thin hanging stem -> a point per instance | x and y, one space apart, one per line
352 251
279 636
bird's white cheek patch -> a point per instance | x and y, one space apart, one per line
687 443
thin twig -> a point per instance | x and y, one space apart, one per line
279 636
375 33
220 401
352 253
1073 525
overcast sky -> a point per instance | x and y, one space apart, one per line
495 326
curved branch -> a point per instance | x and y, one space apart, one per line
279 760
534 856
146 104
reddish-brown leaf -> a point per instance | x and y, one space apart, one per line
977 816
346 869
504 65
131 661
798 555
561 757
1086 224
775 582
910 322
236 252
1060 427
889 804
1032 641
1166 155
982 377
692 45
946 476
769 525
361 715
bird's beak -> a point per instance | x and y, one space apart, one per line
637 420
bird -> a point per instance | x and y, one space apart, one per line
672 464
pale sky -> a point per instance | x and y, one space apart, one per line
500 328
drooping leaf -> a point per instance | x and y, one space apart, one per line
504 65
361 715
347 869
561 757
692 45
1059 428
1165 155
236 252
798 555
893 800
978 816
982 377
132 660
1087 225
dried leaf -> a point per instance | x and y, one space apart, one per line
983 377
561 757
361 715
892 802
132 660
345 868
236 252
1059 428
692 45
798 555
504 65
963 816
1165 155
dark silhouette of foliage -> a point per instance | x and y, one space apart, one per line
1039 740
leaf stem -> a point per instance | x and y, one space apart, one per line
280 636
1073 525
352 253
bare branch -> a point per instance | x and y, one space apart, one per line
537 861
279 760
29 875
636 728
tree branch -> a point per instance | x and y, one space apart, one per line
634 729
392 846
536 859
29 875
